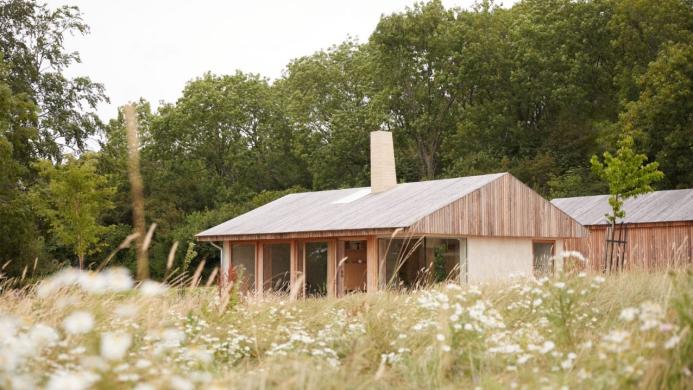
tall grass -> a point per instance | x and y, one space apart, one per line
628 330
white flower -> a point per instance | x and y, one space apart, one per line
628 314
445 348
41 336
547 347
62 380
178 383
672 342
559 285
440 337
78 322
143 363
115 345
150 288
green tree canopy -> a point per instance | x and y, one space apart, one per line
73 200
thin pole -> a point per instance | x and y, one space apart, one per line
136 190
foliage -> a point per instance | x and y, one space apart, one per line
624 331
31 38
626 175
535 89
440 274
72 200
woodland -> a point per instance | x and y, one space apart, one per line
535 90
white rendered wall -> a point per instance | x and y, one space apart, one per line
498 258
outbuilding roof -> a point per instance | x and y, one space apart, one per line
351 209
659 206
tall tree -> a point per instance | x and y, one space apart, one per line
31 39
328 98
72 200
416 67
662 117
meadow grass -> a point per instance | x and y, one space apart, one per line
82 330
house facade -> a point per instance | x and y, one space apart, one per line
469 229
656 231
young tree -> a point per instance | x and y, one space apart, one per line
627 176
72 200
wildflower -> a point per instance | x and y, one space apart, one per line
547 347
445 348
150 288
559 285
628 314
115 345
71 380
142 363
41 336
78 322
672 342
440 337
178 383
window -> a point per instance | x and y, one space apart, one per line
419 261
316 268
277 267
543 257
243 262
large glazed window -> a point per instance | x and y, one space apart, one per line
413 262
277 267
243 262
316 268
543 258
443 255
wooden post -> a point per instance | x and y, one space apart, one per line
225 262
136 190
331 268
259 269
372 264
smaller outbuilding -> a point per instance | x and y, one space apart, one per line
656 230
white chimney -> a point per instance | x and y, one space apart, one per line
383 175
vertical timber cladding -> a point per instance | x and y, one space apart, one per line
650 246
505 207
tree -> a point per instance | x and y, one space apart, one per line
327 97
628 177
31 39
662 117
72 200
416 65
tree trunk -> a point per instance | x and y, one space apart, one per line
81 261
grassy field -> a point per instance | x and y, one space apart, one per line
79 330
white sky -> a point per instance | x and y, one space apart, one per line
151 48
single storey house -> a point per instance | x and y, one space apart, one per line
656 231
469 229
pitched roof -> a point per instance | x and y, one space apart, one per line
351 209
660 206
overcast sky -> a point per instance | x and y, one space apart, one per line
150 48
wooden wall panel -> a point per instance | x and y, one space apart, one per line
505 207
649 247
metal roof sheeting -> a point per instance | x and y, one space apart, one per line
660 206
349 209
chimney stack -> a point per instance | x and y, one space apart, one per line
383 175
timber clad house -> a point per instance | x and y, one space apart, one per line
656 232
472 229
